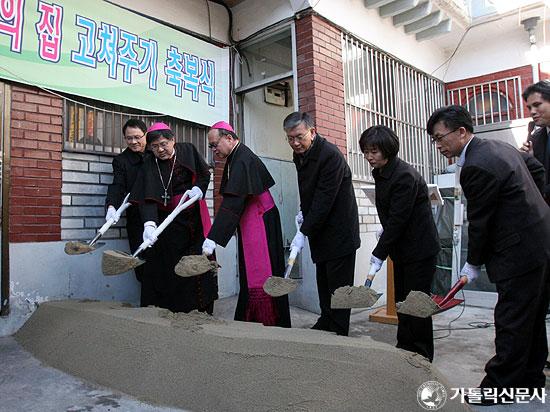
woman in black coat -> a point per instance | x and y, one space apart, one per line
408 235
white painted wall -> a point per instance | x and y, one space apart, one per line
49 274
368 25
263 126
480 54
189 14
351 15
251 16
514 132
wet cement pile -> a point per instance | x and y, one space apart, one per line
199 363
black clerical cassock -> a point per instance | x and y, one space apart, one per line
248 207
160 187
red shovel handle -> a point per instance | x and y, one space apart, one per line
457 286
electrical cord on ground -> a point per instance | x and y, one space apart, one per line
449 329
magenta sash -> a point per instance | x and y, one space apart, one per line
254 240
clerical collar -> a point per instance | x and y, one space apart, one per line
234 148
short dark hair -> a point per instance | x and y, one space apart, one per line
157 134
225 132
542 87
453 117
381 137
140 124
296 118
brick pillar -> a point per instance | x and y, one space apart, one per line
321 77
36 145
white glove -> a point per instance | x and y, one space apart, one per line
148 229
298 241
111 214
375 264
299 219
379 233
208 246
470 271
195 190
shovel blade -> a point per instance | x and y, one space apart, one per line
421 305
194 265
276 286
115 262
79 248
418 304
447 305
348 297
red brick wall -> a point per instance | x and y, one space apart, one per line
525 73
35 185
321 77
218 172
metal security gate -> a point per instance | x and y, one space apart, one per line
490 102
382 90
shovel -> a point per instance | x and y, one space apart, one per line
78 248
347 297
115 262
421 305
194 265
276 286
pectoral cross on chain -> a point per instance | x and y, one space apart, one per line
166 197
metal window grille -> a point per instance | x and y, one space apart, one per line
97 128
490 102
382 90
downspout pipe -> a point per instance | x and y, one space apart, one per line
6 167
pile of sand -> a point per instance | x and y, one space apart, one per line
199 363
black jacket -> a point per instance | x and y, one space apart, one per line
403 206
540 140
327 199
536 169
125 170
509 222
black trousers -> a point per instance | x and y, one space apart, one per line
520 332
414 334
331 275
134 229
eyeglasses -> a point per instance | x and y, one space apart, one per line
133 138
292 139
163 145
214 145
437 139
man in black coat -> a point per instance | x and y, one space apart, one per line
509 232
125 169
329 212
537 98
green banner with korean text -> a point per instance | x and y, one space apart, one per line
95 49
